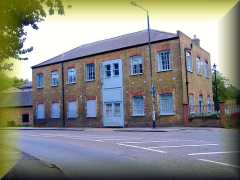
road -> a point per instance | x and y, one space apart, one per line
173 153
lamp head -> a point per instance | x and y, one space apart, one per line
214 66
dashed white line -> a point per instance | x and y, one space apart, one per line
139 142
205 153
185 145
139 147
221 163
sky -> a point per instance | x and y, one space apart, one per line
89 21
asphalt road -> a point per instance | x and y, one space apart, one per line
193 153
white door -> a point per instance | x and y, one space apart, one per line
112 93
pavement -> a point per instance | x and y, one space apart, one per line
136 153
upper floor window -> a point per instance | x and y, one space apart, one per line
107 69
138 105
90 72
71 76
72 109
164 61
189 61
136 65
54 78
116 69
39 80
198 65
55 110
166 104
40 111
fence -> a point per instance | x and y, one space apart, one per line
232 113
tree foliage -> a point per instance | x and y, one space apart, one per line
14 16
226 91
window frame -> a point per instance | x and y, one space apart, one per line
139 65
43 111
167 113
57 82
135 107
58 112
90 74
40 82
87 110
189 61
68 76
160 61
68 110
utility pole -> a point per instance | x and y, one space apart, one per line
153 88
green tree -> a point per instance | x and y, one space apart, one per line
226 91
14 16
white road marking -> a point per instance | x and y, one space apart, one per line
221 163
185 145
112 139
139 147
174 140
205 153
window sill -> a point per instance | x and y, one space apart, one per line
53 86
91 117
168 114
90 80
39 87
190 71
138 74
72 83
161 71
71 118
138 115
55 119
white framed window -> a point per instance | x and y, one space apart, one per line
115 69
209 104
91 108
136 65
54 78
198 65
138 106
107 71
117 109
72 109
200 103
189 61
164 61
108 109
55 110
166 104
39 80
206 69
191 103
40 111
90 72
71 76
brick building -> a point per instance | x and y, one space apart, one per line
107 83
16 106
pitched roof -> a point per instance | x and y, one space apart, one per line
116 43
16 99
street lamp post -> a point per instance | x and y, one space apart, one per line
153 88
215 87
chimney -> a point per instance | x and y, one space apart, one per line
196 41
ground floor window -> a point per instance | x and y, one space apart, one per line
191 103
55 110
91 108
72 109
25 118
138 105
166 104
40 111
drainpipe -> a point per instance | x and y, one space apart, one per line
63 102
186 71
